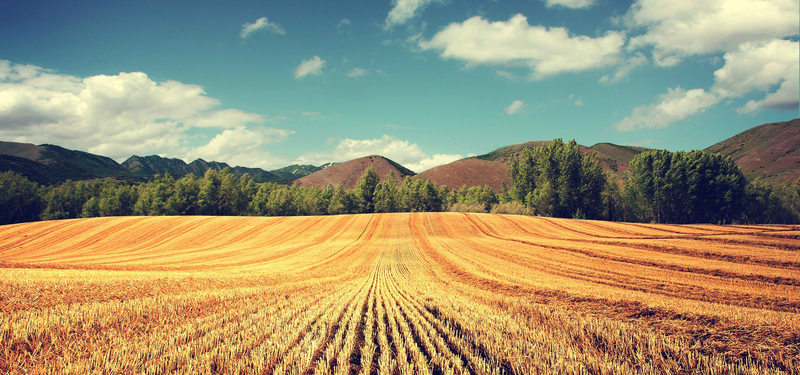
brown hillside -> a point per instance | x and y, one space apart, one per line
28 151
769 152
469 172
349 172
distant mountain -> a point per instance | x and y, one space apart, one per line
151 165
470 172
349 172
295 171
59 163
769 152
36 172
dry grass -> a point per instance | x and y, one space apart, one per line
440 293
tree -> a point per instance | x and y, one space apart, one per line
684 187
67 200
385 197
365 188
154 197
210 185
343 201
21 199
281 203
558 180
260 201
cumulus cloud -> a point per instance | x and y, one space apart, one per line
753 68
681 28
760 68
112 115
404 152
545 51
404 10
242 146
516 107
312 66
675 105
574 4
261 24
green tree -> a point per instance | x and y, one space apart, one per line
91 208
684 187
343 201
154 197
281 203
67 200
365 188
558 180
385 197
185 199
21 200
260 202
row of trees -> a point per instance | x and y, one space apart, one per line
660 186
556 180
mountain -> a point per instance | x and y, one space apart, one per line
36 172
59 163
295 171
349 172
151 165
769 152
470 172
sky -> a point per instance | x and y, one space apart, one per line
423 82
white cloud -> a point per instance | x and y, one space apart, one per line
624 69
754 67
574 4
404 10
260 24
516 107
312 66
357 72
675 105
404 152
546 51
242 146
505 74
679 28
760 68
116 116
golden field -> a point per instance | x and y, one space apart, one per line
419 293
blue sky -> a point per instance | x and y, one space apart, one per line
423 82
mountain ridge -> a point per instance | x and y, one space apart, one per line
768 152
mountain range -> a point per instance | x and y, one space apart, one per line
769 152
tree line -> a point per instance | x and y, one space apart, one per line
555 180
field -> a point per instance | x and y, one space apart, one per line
441 293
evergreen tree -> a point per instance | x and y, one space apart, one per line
365 188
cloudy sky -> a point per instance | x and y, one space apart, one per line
423 82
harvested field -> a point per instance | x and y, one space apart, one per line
419 293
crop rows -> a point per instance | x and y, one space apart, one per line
418 293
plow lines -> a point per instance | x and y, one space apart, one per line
419 293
